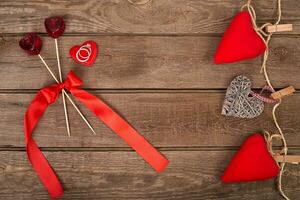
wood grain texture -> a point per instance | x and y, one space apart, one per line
119 16
148 62
165 119
155 68
123 175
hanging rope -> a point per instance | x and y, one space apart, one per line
266 37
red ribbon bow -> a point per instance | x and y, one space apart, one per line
47 96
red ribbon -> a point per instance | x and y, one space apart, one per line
47 96
264 98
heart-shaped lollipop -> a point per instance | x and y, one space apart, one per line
31 43
55 26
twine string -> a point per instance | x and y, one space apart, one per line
266 37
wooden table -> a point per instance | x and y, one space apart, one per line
156 69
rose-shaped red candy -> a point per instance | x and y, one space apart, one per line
55 26
31 43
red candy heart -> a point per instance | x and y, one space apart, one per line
85 54
31 43
252 162
55 26
240 41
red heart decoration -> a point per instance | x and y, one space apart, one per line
252 162
240 41
55 26
93 53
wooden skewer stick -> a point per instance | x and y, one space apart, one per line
63 94
63 90
294 159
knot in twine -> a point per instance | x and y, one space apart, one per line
269 139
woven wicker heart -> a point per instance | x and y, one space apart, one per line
238 101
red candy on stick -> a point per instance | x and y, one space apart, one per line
31 43
55 26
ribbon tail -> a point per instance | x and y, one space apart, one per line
122 128
38 161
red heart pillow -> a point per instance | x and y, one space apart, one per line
87 53
240 41
252 162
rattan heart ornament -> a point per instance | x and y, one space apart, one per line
238 100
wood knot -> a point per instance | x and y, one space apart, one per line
139 2
281 52
3 40
2 168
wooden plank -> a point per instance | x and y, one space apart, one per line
119 16
192 175
165 119
148 62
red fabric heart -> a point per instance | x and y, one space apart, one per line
93 53
240 41
252 162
